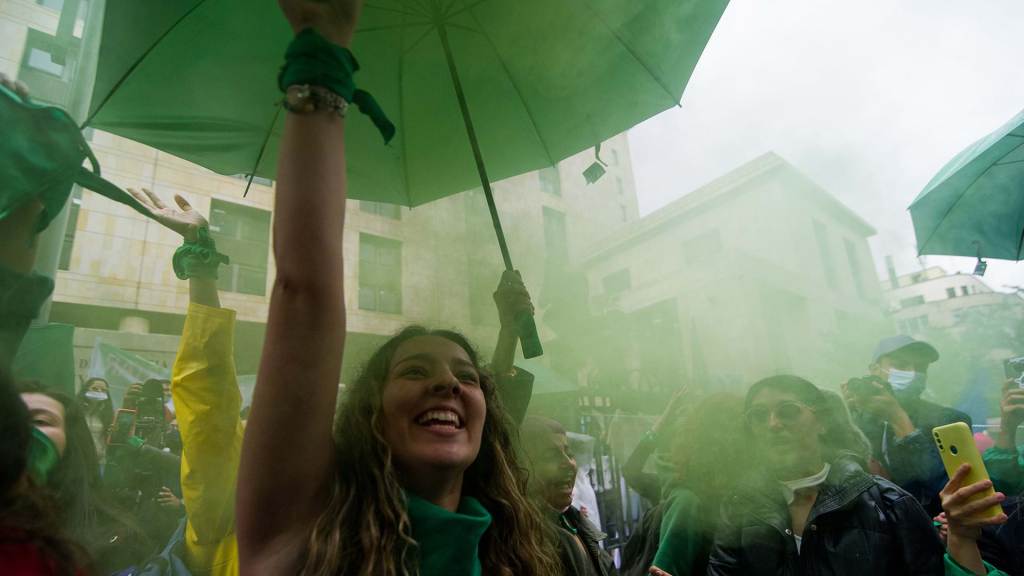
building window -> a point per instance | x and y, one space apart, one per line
550 181
618 186
963 290
46 68
615 158
702 248
914 325
912 301
380 274
69 231
556 241
392 211
43 60
856 268
825 254
951 292
243 233
617 282
624 212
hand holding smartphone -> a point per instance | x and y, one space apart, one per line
956 447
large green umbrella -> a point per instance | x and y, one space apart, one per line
974 206
521 84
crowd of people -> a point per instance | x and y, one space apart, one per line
428 462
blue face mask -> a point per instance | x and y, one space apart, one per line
901 379
907 382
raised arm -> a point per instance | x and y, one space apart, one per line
515 386
287 455
204 386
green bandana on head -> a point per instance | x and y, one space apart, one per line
42 457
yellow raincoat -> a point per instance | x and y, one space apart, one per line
207 403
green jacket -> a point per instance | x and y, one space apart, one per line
954 569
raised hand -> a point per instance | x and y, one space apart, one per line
185 220
1012 404
335 20
166 499
962 512
672 411
512 299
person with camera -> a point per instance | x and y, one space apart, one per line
889 409
140 469
1004 461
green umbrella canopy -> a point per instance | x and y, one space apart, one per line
974 206
543 79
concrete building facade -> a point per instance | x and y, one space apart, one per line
933 298
758 272
436 264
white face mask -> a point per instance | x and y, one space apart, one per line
901 379
96 395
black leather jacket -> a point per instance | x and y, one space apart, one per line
583 556
859 525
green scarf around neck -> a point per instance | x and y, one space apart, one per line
449 542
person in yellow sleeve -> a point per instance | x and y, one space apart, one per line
206 397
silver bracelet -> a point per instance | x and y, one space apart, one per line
306 99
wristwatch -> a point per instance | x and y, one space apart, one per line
306 99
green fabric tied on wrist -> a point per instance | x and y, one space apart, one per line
311 59
198 259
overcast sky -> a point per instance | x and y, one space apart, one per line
868 98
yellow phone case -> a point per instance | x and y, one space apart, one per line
956 447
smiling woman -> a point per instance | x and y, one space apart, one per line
422 429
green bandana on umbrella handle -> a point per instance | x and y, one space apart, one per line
311 59
198 259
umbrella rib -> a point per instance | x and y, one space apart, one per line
629 49
401 113
467 8
390 9
418 40
135 66
967 190
391 27
515 85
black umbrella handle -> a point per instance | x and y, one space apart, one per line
528 336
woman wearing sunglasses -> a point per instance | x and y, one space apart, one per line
808 507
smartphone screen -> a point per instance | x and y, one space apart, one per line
1014 369
123 427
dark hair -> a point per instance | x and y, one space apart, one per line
841 437
15 432
710 453
25 507
365 529
87 514
539 424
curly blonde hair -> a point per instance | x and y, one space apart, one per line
363 535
